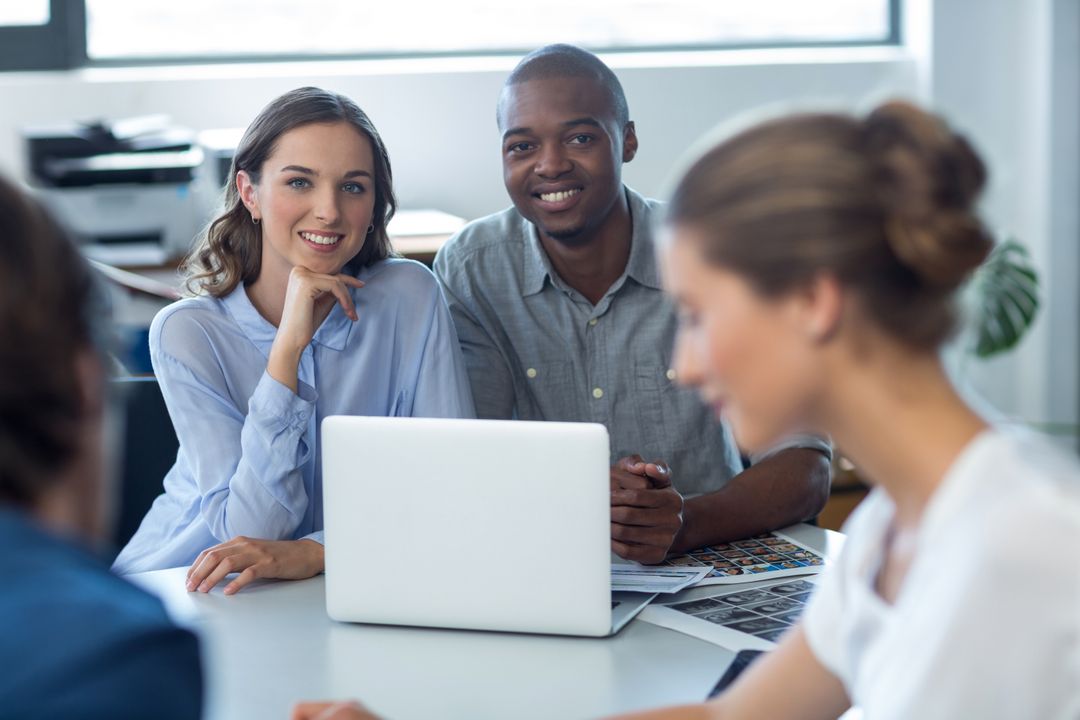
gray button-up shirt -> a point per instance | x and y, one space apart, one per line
536 349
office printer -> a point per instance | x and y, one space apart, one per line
131 191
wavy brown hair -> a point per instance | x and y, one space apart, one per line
885 203
230 250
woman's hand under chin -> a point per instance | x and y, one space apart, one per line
309 298
278 559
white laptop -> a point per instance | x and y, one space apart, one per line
477 524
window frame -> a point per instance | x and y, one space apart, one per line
60 44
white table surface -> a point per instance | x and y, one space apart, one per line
272 644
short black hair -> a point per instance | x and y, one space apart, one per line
569 61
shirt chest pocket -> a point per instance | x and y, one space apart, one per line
664 409
551 391
653 376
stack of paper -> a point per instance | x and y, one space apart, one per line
638 578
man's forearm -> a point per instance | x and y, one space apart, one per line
787 488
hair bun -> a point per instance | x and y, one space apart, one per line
928 178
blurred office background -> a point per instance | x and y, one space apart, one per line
1005 71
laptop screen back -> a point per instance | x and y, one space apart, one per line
481 524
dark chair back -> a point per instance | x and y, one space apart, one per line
149 452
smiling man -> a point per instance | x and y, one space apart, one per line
560 314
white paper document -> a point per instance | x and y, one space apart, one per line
638 578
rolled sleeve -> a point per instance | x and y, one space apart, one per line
795 440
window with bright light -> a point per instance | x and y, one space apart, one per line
24 13
127 30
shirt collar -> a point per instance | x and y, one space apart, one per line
641 266
536 265
642 263
333 333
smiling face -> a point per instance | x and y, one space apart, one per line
314 199
759 360
562 154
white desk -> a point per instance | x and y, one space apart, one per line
272 644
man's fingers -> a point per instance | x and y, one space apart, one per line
644 517
646 556
651 536
647 498
626 479
644 523
625 534
638 553
620 548
627 469
659 472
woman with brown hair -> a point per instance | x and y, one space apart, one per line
815 259
299 312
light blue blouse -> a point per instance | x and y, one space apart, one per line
249 461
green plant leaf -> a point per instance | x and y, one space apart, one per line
1004 298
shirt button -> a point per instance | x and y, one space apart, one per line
597 393
670 373
593 321
531 372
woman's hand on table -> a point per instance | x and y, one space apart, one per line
331 711
252 559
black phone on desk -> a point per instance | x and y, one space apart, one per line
742 660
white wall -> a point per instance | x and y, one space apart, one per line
1008 73
438 117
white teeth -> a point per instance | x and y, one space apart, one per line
559 196
321 239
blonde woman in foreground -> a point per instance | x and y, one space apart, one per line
815 260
